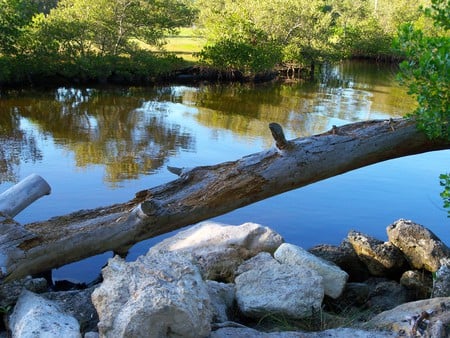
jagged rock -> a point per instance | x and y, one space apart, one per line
77 303
10 292
422 248
386 294
222 299
429 318
334 278
158 295
285 289
219 249
420 282
441 285
345 257
34 315
381 258
232 332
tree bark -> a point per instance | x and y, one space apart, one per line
204 192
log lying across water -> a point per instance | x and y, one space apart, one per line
204 192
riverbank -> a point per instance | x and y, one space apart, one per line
214 280
143 69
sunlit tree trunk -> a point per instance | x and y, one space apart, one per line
205 192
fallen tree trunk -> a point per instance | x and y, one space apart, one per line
204 192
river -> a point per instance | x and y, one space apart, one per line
98 146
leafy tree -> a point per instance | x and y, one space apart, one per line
427 74
105 27
236 42
14 15
255 31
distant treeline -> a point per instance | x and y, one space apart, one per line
104 40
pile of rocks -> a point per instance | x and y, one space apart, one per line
216 280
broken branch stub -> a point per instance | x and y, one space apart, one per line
21 195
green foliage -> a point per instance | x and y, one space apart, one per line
109 27
445 194
14 15
426 71
300 32
86 40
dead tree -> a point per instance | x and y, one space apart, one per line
205 192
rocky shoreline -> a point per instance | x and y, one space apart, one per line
215 280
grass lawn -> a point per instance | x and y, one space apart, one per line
185 44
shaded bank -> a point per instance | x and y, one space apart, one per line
140 70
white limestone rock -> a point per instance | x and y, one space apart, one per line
34 316
334 278
284 289
159 295
219 249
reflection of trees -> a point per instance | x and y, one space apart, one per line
106 128
16 145
345 93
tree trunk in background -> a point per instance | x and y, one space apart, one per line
205 192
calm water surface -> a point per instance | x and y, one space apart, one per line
98 146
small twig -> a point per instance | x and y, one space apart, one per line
423 316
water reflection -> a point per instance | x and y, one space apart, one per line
105 127
16 146
131 131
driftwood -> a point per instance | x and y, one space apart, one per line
204 192
21 195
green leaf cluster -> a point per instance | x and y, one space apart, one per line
426 70
445 194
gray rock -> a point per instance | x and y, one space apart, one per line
232 332
246 332
222 299
34 316
419 282
77 303
345 257
422 248
10 292
284 289
354 295
91 334
334 278
381 258
386 294
159 295
429 318
256 262
441 285
219 249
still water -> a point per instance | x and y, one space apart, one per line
98 146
